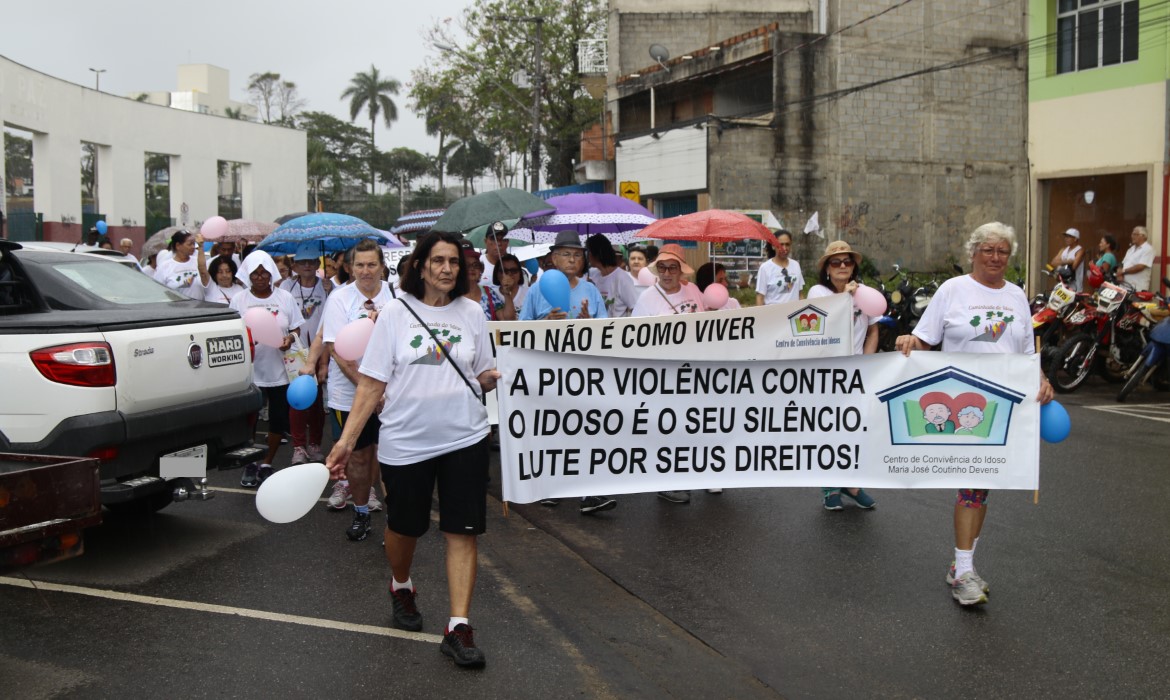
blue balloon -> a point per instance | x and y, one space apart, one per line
102 227
302 392
555 288
1054 422
532 265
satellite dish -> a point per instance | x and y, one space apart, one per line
659 53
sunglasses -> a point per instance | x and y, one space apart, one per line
667 269
511 270
841 262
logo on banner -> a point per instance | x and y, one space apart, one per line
949 407
808 320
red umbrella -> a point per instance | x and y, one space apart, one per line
712 225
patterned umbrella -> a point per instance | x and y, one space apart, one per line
487 207
416 222
712 225
335 232
289 217
246 229
619 219
159 240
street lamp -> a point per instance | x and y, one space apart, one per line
537 86
97 78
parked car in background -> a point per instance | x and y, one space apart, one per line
59 247
99 360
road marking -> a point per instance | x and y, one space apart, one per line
222 610
1151 411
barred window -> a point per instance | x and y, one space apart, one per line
1095 33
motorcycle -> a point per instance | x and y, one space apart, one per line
1154 362
1120 334
1048 314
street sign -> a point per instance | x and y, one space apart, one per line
631 191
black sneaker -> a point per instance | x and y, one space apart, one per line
596 504
263 473
249 478
460 646
359 528
406 614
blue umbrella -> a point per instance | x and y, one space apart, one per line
335 232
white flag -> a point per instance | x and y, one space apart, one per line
814 225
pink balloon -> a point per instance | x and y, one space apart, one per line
715 296
646 278
352 339
264 326
214 227
869 300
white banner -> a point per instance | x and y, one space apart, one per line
821 327
576 425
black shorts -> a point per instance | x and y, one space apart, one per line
369 434
277 408
462 478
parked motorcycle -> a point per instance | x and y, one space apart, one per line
1154 362
1048 313
1113 333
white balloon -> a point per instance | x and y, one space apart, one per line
292 492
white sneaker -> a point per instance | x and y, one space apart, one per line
300 456
967 590
374 504
315 453
339 496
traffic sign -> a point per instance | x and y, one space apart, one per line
631 191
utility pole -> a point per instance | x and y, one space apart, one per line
97 78
537 87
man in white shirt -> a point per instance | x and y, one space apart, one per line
1138 264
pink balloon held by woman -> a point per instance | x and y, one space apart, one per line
353 338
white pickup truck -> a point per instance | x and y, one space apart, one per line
98 360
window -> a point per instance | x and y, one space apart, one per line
1095 33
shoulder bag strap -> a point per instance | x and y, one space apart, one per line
443 349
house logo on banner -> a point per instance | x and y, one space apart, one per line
808 320
949 407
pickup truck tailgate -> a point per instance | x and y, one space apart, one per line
168 365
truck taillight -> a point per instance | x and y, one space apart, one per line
105 454
77 364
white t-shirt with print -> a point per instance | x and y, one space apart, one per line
429 410
183 277
966 316
617 288
861 322
217 294
687 300
268 367
779 283
312 303
343 306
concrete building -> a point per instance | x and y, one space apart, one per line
901 126
1099 111
202 88
130 139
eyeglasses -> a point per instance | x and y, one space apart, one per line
995 252
841 262
667 269
571 254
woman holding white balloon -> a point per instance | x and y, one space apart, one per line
839 271
348 310
273 318
429 363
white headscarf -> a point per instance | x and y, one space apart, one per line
255 259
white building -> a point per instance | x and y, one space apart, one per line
202 88
61 116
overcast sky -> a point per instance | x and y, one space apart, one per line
318 45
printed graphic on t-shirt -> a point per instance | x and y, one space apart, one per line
309 305
990 326
786 281
687 307
429 352
184 277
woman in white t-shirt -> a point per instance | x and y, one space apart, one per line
714 273
221 286
838 271
614 283
268 372
181 270
429 362
1072 254
977 313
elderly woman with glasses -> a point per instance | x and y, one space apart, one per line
838 273
568 256
983 294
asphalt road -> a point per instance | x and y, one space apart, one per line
752 593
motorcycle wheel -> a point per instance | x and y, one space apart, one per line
1072 362
1136 378
1114 371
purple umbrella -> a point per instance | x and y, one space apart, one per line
617 218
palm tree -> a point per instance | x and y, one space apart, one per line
372 92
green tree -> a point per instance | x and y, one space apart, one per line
18 163
371 91
470 160
262 92
342 152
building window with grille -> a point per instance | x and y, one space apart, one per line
1095 33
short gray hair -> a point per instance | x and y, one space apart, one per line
990 233
1141 230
